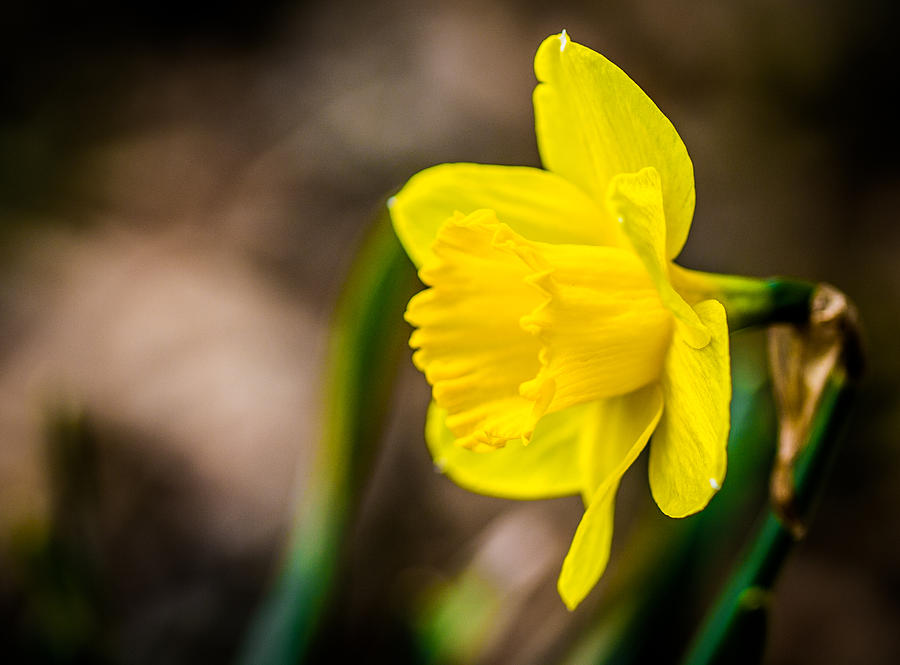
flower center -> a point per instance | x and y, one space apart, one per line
512 329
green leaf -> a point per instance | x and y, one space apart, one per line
367 337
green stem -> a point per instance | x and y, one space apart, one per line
361 362
738 618
749 301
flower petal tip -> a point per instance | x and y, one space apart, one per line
571 597
563 40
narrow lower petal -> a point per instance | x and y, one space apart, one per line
636 199
547 467
688 455
589 552
620 429
535 203
594 122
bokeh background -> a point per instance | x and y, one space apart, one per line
182 188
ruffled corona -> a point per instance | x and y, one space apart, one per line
513 329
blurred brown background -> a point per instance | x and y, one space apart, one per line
182 187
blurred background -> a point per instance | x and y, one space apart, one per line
182 189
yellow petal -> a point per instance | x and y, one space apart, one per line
622 425
594 122
471 346
547 467
537 204
688 456
618 433
589 552
636 201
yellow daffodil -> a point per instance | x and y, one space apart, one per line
556 333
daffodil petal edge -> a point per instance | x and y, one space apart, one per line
593 122
537 204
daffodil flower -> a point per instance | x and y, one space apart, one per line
557 333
